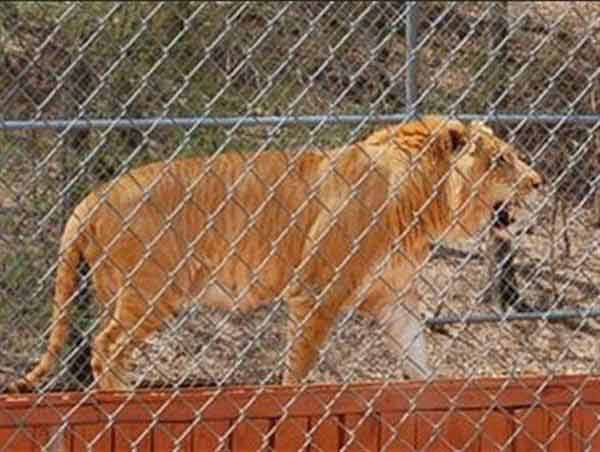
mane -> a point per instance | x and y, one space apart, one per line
390 191
417 159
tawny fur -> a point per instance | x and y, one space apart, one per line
240 230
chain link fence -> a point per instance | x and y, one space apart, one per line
90 91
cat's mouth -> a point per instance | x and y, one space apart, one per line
503 215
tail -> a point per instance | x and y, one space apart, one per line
65 288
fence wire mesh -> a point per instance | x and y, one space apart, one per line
179 254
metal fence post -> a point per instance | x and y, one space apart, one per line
412 25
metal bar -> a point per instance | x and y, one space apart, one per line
562 314
256 121
412 26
